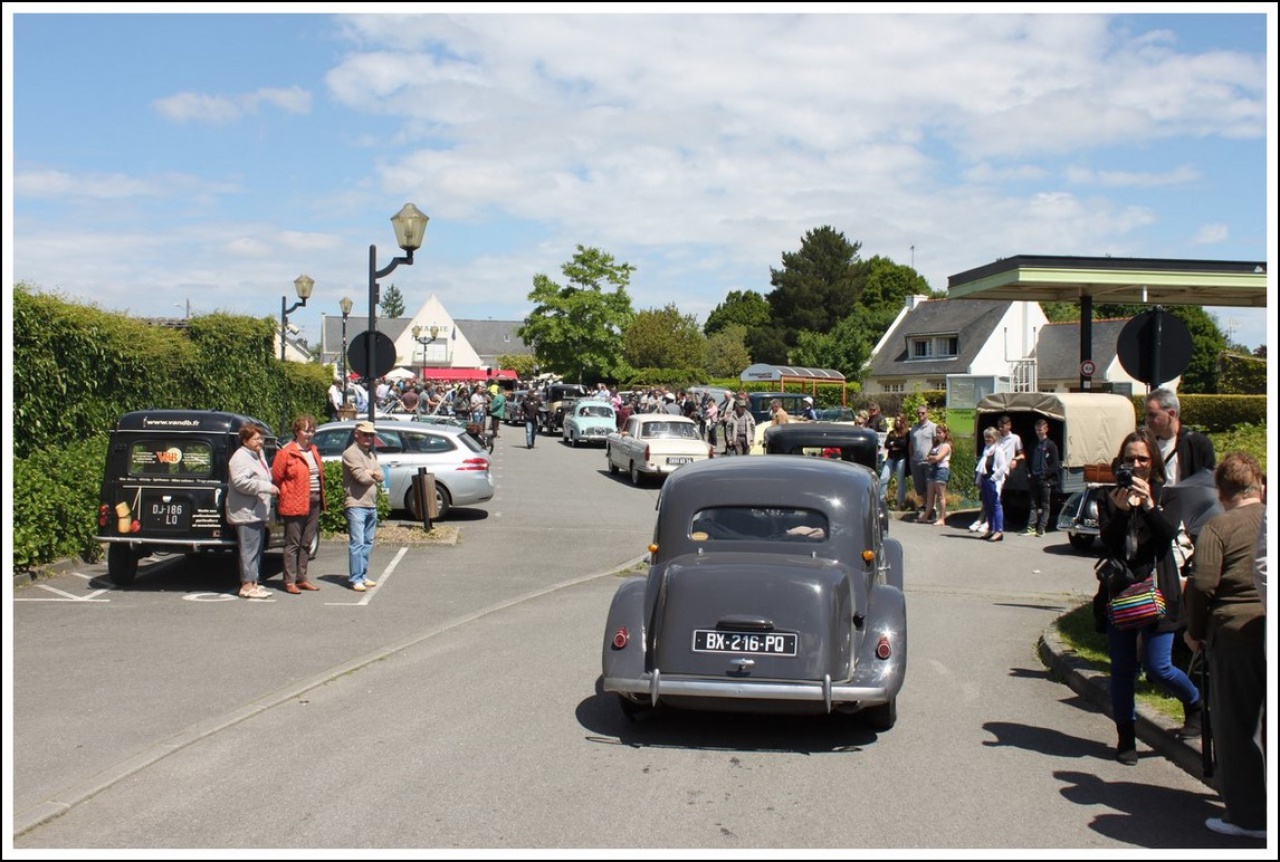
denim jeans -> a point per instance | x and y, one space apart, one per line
991 508
896 467
1123 648
362 523
530 432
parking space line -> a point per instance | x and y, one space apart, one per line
382 580
66 597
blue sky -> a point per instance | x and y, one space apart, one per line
158 159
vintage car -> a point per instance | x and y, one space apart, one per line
513 410
840 441
770 589
655 444
164 486
588 422
554 402
758 404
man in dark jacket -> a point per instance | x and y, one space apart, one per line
1185 452
1045 467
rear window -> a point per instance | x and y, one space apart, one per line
597 410
737 523
669 430
159 457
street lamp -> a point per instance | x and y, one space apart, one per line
345 304
303 285
433 332
409 224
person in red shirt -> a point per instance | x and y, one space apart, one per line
299 474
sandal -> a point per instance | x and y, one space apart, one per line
253 591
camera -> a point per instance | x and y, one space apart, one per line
1124 477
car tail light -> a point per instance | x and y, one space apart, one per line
646 454
475 464
883 650
104 512
621 638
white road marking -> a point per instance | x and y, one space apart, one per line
381 579
66 597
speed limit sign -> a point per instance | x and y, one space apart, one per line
1087 368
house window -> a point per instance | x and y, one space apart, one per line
894 387
935 346
921 348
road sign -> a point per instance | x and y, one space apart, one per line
1154 347
384 354
1087 368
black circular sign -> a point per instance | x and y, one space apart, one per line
384 354
1154 347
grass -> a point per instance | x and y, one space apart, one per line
1077 632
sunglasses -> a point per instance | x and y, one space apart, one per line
1136 459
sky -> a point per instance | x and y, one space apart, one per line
208 157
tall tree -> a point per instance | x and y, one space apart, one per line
742 307
392 303
576 329
817 285
727 352
664 338
846 348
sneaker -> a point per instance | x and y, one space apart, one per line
359 588
1225 827
253 591
1029 531
369 583
1039 533
978 527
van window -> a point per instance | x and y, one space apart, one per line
159 457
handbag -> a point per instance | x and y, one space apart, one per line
1138 606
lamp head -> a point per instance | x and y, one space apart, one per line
345 304
304 284
409 224
435 330
417 330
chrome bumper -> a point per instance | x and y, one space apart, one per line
655 685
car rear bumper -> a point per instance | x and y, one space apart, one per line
653 686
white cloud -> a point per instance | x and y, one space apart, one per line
1120 179
1210 234
221 110
56 184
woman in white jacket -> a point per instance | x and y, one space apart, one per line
990 473
249 493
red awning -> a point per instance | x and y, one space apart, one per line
465 374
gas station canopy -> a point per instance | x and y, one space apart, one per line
1152 281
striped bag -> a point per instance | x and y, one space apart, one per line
1140 605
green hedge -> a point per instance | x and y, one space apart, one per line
333 519
55 503
1213 413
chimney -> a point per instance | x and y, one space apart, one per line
913 301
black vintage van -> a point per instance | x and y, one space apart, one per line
164 488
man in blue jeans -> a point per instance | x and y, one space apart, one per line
529 407
361 476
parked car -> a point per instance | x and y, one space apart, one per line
840 441
513 410
588 422
758 403
770 589
1086 426
164 486
460 465
655 444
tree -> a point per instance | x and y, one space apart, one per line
727 351
816 287
392 302
577 328
664 339
742 307
765 344
846 348
521 363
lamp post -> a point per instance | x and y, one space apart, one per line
345 304
409 224
433 333
303 285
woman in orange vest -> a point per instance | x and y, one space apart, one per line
299 474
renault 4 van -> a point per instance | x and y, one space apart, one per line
164 486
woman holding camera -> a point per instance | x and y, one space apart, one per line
1135 529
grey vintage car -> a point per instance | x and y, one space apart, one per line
771 588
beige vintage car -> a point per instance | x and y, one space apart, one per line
655 444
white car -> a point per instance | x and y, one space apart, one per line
588 422
460 465
655 444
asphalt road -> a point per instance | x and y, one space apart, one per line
457 706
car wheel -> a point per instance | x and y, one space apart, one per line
613 468
122 565
632 709
443 501
882 717
1079 541
635 474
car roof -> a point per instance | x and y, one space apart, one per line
431 427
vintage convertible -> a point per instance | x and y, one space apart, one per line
770 589
655 444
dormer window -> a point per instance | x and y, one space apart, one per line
935 346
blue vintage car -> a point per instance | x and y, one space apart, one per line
771 588
588 422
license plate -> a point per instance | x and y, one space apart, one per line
749 643
173 515
682 459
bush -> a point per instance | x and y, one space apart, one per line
333 520
55 503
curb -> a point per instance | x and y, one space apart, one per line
1091 684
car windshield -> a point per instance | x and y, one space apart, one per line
737 523
669 430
